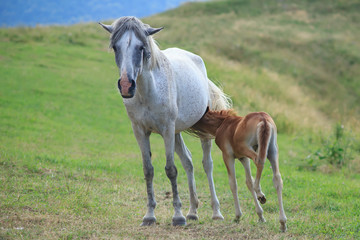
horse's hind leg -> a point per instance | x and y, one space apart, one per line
250 184
185 157
273 157
208 167
144 144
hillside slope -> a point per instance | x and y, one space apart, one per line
299 60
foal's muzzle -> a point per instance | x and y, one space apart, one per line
126 88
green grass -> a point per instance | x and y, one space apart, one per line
70 167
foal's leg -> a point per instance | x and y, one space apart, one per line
142 138
250 184
171 172
208 167
260 195
273 157
250 153
185 157
230 166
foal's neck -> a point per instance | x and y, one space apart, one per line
212 120
209 123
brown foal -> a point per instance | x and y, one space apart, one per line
254 137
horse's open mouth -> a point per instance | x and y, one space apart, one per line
127 88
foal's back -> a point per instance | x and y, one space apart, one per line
241 133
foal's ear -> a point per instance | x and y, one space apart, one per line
108 28
151 31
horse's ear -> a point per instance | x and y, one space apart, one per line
151 31
108 28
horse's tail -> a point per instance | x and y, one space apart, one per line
218 99
263 133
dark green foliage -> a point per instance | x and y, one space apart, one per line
337 150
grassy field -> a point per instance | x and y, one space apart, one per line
70 167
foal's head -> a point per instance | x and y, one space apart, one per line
132 44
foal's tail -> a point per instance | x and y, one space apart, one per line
263 132
218 99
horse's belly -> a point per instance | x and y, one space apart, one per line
192 100
191 86
190 109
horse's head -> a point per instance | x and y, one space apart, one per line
131 41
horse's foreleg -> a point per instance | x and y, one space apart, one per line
208 167
250 184
144 143
171 172
185 157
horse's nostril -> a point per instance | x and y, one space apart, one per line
119 85
133 85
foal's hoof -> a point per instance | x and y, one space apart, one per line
262 199
179 221
192 217
148 221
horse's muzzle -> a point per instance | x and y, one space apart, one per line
126 88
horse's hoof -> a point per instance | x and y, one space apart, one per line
179 221
262 220
148 221
237 219
192 217
218 217
283 227
262 199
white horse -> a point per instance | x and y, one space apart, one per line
165 92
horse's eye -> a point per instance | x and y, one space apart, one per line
141 48
114 49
